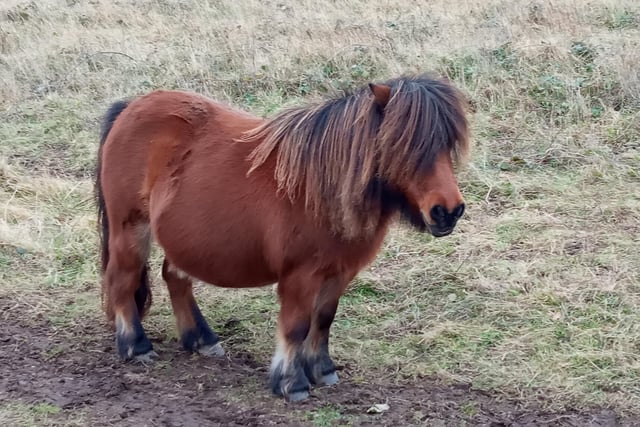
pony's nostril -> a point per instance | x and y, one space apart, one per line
459 211
438 213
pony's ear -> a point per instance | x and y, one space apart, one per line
381 93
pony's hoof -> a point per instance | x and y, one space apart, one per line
297 396
148 357
329 379
214 350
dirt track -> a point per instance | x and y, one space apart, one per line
41 364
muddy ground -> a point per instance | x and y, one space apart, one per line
76 370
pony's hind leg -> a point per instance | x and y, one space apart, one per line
195 333
127 290
297 293
318 366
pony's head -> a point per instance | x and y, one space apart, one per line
357 159
423 131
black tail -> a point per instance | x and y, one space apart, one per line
143 293
103 222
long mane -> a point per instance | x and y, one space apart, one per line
335 154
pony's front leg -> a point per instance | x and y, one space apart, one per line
318 366
297 294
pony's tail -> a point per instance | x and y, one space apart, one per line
143 293
103 222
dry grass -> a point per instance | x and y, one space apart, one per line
40 414
535 295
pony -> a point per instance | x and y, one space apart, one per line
303 199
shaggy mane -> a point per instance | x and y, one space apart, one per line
336 153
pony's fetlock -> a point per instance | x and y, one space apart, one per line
132 346
320 369
131 340
201 338
290 382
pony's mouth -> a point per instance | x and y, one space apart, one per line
434 229
437 232
420 221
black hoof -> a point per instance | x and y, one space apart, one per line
201 338
133 345
328 379
320 370
297 396
293 385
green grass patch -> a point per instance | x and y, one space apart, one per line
38 414
327 416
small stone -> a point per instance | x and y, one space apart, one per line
378 408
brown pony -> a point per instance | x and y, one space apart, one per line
304 199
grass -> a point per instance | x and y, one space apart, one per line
327 416
537 292
39 414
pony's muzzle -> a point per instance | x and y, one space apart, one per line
442 221
439 233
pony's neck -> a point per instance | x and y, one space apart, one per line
391 203
370 216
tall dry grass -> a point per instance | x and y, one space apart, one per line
536 294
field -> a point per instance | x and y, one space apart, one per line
528 314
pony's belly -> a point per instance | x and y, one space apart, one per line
206 234
227 274
221 262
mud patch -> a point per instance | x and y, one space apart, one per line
78 371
